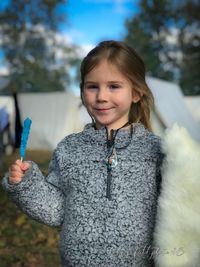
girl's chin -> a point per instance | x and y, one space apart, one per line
106 124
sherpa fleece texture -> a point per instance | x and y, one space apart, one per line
177 231
96 231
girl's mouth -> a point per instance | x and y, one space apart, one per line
102 109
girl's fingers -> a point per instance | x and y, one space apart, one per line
15 180
15 174
17 171
18 162
25 166
16 168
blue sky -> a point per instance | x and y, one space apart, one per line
91 21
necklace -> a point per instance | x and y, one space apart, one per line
112 156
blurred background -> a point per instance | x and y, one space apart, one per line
42 43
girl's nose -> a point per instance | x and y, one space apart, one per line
102 94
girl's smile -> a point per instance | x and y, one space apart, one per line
103 109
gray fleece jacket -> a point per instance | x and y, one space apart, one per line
97 231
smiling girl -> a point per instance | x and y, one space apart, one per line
103 182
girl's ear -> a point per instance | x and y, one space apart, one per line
136 97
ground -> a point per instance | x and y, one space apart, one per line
24 242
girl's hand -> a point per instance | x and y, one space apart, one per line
17 171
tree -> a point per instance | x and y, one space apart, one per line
189 40
165 33
28 39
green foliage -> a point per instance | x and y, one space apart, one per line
166 34
189 40
29 31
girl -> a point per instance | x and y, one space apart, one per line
103 183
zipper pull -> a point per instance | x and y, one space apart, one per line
113 158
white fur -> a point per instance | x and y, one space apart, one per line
177 231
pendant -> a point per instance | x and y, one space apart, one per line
112 161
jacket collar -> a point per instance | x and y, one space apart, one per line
123 137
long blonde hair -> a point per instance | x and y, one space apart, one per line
130 64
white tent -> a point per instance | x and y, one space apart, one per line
193 104
3 82
54 115
170 108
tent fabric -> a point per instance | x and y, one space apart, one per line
54 115
171 107
193 104
4 81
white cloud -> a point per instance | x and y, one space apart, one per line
67 39
63 38
74 34
120 8
4 71
119 5
172 37
84 49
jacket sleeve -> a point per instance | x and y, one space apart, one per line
36 196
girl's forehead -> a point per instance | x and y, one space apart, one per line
106 73
106 67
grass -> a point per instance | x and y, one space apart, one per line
24 242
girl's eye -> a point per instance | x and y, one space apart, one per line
91 87
114 86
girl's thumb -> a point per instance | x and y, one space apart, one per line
25 166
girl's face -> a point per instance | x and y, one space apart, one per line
107 95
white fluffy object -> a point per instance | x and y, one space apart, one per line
177 230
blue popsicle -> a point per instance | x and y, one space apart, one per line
24 137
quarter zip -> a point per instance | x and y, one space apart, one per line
110 143
112 157
109 178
